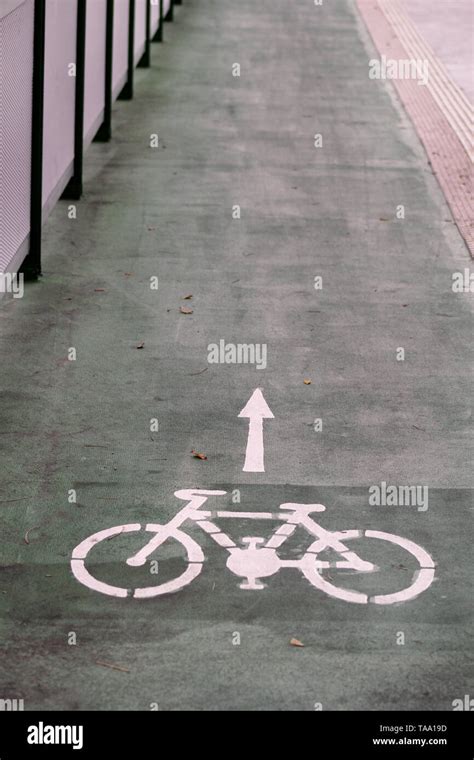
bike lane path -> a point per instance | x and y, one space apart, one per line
331 363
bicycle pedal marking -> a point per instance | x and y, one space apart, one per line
257 557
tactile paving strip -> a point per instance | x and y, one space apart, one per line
440 112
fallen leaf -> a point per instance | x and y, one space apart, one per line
296 643
191 374
186 310
197 455
151 229
307 382
384 218
112 666
128 274
186 298
141 345
99 290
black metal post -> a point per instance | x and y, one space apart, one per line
170 15
31 267
104 132
127 90
159 32
144 62
73 190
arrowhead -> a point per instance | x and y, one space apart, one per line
256 406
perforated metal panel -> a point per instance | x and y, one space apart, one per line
16 80
140 28
120 59
94 89
59 98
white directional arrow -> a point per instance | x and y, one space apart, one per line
257 410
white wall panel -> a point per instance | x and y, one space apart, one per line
7 6
140 28
166 7
155 17
59 98
94 91
16 72
120 59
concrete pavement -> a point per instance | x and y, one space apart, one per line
86 425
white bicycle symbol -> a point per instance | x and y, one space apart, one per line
259 559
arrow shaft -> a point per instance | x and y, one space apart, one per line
254 453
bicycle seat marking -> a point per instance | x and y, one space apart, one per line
258 558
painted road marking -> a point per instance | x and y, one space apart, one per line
259 558
257 410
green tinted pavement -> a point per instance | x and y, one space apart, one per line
86 426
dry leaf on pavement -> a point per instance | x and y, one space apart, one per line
296 643
112 666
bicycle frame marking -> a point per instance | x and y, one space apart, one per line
259 559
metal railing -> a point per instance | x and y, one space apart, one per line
62 65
